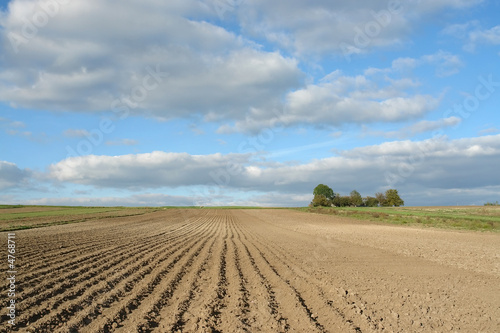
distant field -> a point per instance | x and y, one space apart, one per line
17 217
484 218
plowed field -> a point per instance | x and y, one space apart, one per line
207 270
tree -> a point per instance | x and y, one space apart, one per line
356 199
322 189
371 202
345 201
320 200
393 199
342 201
381 198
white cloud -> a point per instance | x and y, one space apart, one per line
461 30
436 147
122 142
148 58
431 6
151 170
14 128
12 176
17 124
433 125
340 99
490 130
473 34
136 200
419 127
26 134
168 62
489 36
76 133
196 130
325 27
437 163
272 199
446 63
404 64
221 142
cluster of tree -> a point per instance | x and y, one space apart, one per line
492 204
325 197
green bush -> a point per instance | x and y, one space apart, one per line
320 200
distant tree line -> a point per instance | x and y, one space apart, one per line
492 204
325 197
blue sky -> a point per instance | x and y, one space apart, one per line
248 102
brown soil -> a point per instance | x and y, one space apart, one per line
204 270
42 221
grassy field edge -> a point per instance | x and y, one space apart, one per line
477 218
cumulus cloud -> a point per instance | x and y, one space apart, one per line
446 64
151 170
12 176
473 34
438 163
325 27
488 36
461 30
167 60
418 169
339 99
437 147
147 58
434 163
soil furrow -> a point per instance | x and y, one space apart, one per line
134 304
113 289
92 284
92 253
177 322
152 316
217 305
195 317
272 303
224 270
168 311
304 285
240 306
